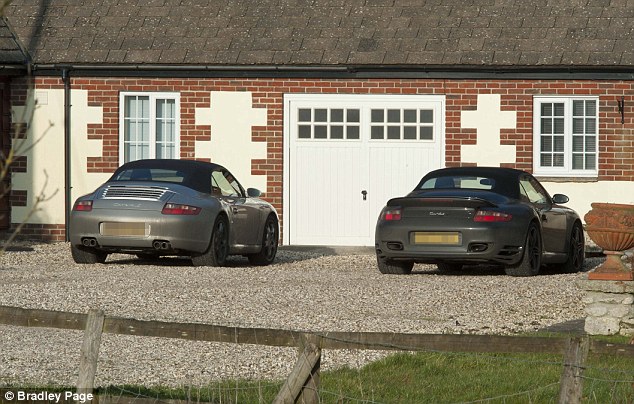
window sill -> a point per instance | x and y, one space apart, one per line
546 178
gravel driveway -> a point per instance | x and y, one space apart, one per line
304 290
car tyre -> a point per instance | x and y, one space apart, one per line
83 255
532 258
446 267
218 250
576 251
387 266
270 240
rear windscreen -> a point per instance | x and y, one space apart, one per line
150 174
459 182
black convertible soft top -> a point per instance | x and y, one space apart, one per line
196 174
506 179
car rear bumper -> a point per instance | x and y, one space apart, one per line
500 243
176 233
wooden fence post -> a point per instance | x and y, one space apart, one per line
90 351
302 385
571 383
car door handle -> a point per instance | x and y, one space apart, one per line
365 194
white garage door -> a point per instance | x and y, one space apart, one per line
346 155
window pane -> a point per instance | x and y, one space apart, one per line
336 132
591 125
352 132
426 116
409 132
353 115
393 132
558 143
409 116
304 115
394 115
426 133
336 115
321 115
547 126
591 108
547 109
165 151
558 109
577 161
577 143
577 126
558 160
591 144
376 132
578 108
558 126
377 115
303 131
321 132
546 160
546 144
591 160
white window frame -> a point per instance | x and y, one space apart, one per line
566 170
153 96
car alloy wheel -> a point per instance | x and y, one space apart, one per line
216 254
532 258
269 243
576 250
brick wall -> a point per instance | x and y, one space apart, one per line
616 140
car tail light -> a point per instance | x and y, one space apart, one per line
83 206
392 214
174 209
492 216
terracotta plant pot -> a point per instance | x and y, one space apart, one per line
611 227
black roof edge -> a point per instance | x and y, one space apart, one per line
342 71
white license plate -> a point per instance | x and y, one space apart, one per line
436 238
125 229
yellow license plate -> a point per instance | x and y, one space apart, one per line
437 238
134 229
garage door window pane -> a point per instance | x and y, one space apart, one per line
409 116
321 132
426 116
352 133
304 115
393 132
303 131
353 115
394 115
321 115
426 133
376 116
409 132
336 115
376 132
336 132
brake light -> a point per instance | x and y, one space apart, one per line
392 214
492 216
83 206
174 209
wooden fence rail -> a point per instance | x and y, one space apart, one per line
574 349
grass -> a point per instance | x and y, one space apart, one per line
430 378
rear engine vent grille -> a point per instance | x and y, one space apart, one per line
123 192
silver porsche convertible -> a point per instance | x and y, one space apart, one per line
155 208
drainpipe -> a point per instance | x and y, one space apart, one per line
67 166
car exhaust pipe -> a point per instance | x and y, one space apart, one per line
161 245
89 242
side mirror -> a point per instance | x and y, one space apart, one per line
253 193
560 198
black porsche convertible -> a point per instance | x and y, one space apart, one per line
475 215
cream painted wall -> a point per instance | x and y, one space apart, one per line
583 194
232 117
45 160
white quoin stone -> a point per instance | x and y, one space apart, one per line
231 117
488 119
